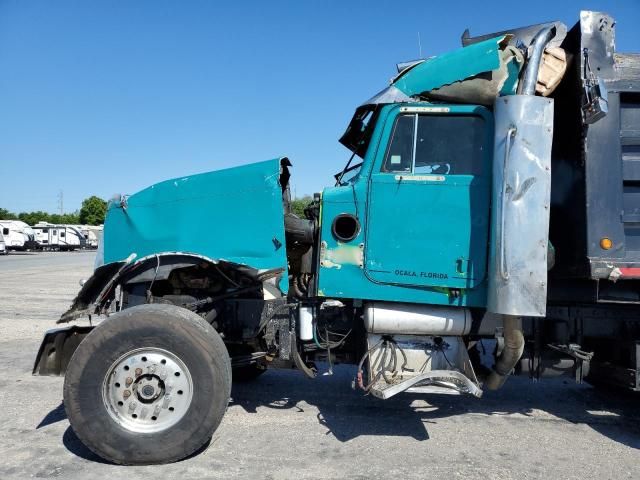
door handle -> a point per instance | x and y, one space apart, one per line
462 265
504 268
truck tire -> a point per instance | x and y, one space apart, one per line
148 385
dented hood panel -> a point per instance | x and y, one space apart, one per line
234 214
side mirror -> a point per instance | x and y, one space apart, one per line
596 104
596 101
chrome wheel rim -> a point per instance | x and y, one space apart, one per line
147 390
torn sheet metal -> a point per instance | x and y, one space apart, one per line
391 94
475 74
485 87
522 35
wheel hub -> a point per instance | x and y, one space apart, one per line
147 390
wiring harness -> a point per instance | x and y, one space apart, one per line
385 364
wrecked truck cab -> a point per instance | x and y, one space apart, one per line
434 238
377 225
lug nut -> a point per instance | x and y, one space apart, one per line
128 381
126 394
138 372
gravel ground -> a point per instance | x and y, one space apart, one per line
285 426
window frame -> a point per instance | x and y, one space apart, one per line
385 160
416 118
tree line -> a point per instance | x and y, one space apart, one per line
299 204
92 212
94 209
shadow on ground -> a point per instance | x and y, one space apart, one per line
349 414
74 445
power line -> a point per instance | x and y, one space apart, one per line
61 202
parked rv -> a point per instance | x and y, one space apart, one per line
59 237
90 233
17 235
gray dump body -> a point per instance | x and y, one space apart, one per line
596 166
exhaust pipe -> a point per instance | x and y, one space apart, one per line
501 298
511 353
538 44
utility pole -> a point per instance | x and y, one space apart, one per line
61 202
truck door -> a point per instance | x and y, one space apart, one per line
428 203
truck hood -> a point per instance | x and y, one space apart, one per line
235 215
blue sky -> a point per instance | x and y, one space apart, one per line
109 97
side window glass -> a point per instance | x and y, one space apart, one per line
5 231
449 145
400 152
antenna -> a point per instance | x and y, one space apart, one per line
61 202
419 46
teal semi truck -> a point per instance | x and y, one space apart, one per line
491 203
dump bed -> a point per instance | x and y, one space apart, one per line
596 166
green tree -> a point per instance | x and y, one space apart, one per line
299 204
93 211
7 215
32 218
71 218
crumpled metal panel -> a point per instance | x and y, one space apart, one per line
522 35
520 196
484 88
390 94
484 62
234 215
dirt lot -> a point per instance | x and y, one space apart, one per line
285 426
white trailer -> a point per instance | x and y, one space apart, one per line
3 246
18 235
90 233
59 237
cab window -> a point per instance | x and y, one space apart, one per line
437 144
449 145
400 153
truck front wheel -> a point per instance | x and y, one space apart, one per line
148 385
